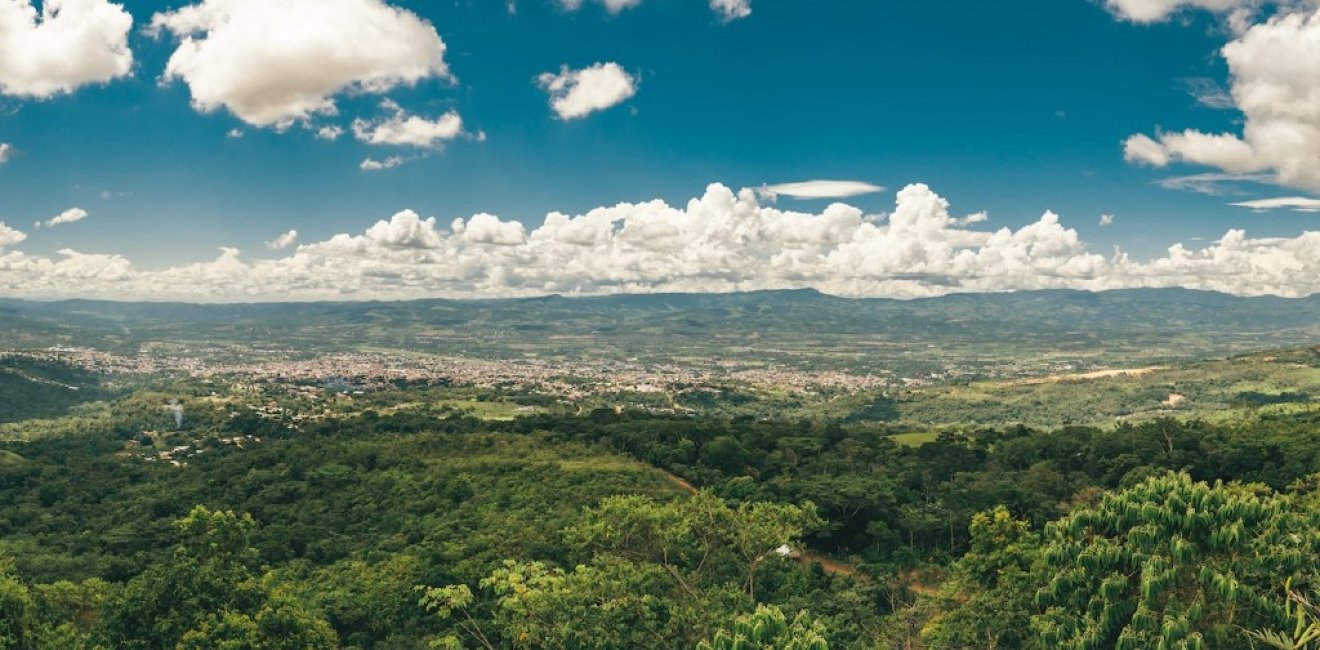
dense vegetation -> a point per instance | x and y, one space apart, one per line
430 528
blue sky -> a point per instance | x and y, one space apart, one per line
1008 108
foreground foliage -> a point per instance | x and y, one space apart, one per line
1173 563
561 531
769 629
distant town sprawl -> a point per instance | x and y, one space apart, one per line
571 380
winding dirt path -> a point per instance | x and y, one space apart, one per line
830 565
684 485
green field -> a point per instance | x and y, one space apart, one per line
914 439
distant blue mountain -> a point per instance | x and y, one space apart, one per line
1200 320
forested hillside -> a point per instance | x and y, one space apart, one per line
31 389
608 529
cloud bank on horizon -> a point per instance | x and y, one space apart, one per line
721 241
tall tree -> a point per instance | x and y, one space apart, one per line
988 602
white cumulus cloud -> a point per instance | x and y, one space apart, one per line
405 229
721 240
69 43
6 150
578 93
274 63
1141 149
72 215
9 236
400 128
283 241
490 229
1275 68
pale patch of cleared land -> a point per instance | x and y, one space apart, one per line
1083 376
1213 390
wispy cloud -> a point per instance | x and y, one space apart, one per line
1294 203
727 10
612 6
819 189
373 165
1208 93
1214 183
72 215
